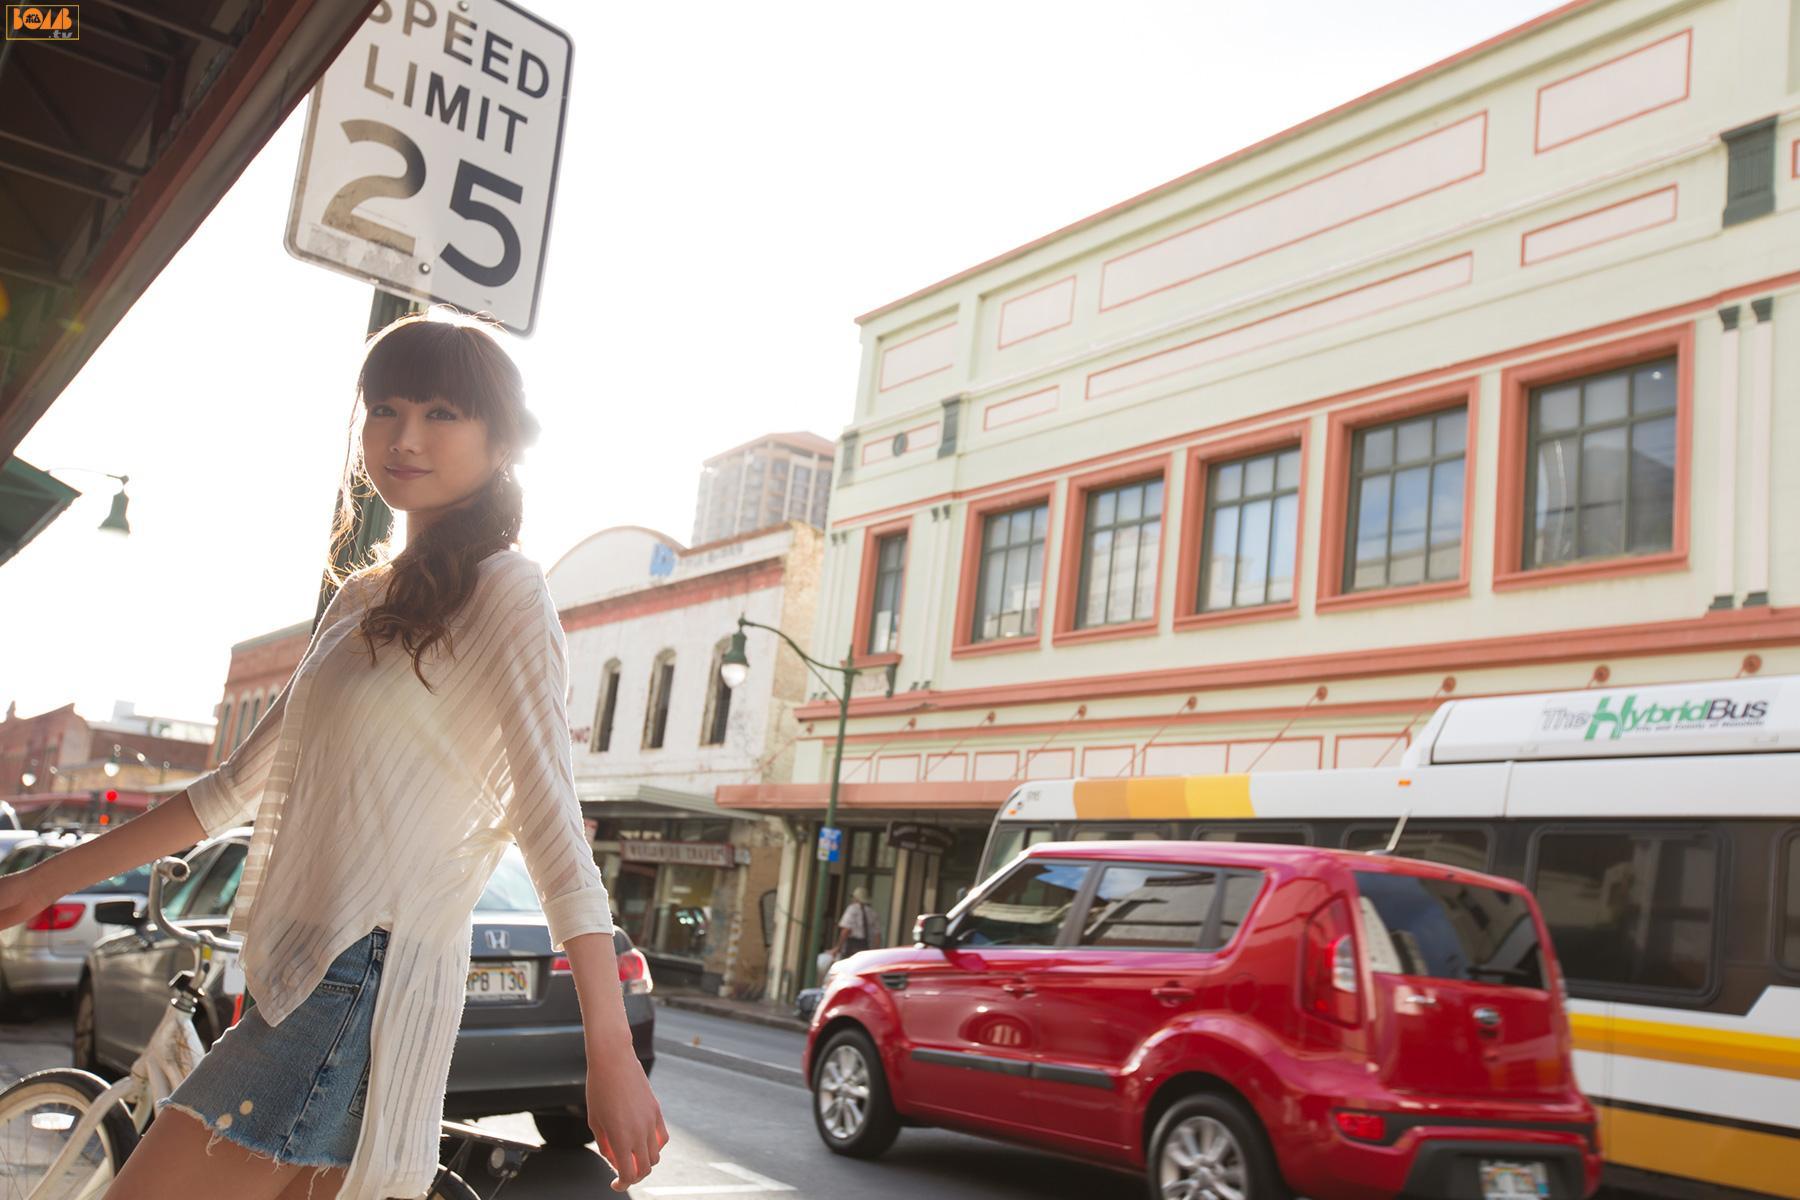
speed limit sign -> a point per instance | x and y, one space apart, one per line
429 165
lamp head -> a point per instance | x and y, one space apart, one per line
734 668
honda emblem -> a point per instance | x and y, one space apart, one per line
496 939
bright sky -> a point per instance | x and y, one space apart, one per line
739 181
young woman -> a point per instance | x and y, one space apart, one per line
424 729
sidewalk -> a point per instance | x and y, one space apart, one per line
751 1011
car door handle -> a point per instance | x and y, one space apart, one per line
1017 987
1171 993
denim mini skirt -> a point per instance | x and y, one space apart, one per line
294 1092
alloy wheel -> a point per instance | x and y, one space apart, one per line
844 1092
1202 1160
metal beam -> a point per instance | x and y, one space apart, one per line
125 39
74 185
94 60
86 160
187 29
36 277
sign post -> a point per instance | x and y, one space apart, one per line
431 151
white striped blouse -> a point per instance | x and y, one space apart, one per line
378 802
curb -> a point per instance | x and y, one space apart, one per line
701 1004
742 1064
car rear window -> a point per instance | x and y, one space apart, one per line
135 882
1443 929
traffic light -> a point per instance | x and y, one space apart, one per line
112 799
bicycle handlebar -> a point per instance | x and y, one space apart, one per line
177 870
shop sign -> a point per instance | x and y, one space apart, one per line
685 854
831 843
926 839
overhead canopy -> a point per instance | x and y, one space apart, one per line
113 149
29 500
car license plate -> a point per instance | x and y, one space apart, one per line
1513 1180
500 981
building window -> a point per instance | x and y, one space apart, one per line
1120 544
246 721
1749 171
884 612
605 708
224 731
1252 516
1406 502
1600 466
1010 595
718 700
656 713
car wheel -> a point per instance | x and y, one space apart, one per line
851 1106
1210 1147
563 1130
86 1047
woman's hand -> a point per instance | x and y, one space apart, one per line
23 895
623 1113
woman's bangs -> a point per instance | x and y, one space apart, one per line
428 360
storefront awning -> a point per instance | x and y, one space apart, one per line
985 795
29 501
610 800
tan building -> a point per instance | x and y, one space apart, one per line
778 477
1477 384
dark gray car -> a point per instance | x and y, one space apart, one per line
520 1048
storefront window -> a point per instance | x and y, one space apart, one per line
684 910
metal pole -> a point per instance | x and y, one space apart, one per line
811 965
373 517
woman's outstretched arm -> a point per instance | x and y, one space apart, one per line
165 829
622 1112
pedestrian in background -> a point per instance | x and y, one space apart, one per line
856 928
424 729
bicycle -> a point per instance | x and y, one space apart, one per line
64 1133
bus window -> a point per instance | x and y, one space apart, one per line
1137 831
1466 848
1009 840
1269 835
1790 921
1630 908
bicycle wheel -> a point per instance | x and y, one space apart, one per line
37 1115
449 1186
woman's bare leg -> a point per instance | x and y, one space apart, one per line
173 1162
305 1186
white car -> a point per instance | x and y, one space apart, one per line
46 953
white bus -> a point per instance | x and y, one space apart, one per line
1660 830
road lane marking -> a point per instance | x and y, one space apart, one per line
753 1184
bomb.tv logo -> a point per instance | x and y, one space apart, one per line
43 22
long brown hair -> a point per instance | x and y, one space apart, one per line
440 355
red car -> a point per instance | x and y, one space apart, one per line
1233 1021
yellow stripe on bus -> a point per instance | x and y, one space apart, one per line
1664 1041
1215 796
1718 1154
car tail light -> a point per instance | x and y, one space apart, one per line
1364 1127
57 916
1329 976
560 965
634 973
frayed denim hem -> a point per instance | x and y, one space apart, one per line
220 1130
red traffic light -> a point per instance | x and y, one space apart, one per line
112 796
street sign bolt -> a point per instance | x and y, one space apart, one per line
424 268
462 5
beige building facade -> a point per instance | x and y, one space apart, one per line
1483 383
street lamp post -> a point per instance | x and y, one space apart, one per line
734 668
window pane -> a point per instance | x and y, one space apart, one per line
1790 926
1371 532
993 531
1228 482
988 620
1378 449
1259 475
1150 907
1281 557
1234 905
1554 505
1027 908
1559 408
1413 441
1153 498
1040 517
1411 493
1452 431
1604 399
1012 597
1145 601
1287 469
1630 908
1652 485
1446 521
1034 586
1653 388
1131 503
1603 468
1442 929
1099 573
1222 573
1253 563
1019 527
1101 508
1126 549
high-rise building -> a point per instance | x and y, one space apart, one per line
778 477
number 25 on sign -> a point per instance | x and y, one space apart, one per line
431 151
